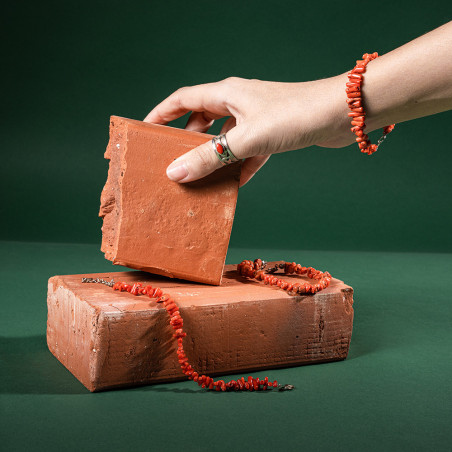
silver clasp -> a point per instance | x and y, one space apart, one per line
285 387
98 281
275 268
382 138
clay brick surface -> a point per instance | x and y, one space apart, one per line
153 224
109 339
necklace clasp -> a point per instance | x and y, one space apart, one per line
285 387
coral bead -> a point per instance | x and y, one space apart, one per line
220 148
171 306
355 104
163 298
358 70
355 76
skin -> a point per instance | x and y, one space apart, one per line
265 118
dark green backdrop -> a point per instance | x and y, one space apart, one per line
67 66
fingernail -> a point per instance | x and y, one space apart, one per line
177 171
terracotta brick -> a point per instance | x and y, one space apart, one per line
109 339
153 224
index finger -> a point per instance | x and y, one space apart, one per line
211 97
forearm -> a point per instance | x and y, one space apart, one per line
412 81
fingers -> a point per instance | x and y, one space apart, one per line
195 164
228 125
251 166
201 121
202 160
211 97
209 102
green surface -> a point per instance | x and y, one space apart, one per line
392 393
67 66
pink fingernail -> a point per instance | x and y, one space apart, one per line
177 171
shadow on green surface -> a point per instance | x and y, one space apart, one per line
167 389
28 367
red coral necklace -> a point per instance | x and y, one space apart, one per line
247 269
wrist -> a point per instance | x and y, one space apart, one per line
333 122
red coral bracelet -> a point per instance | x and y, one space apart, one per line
355 103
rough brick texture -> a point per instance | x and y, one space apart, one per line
109 339
153 224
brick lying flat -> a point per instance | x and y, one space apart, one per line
110 339
153 224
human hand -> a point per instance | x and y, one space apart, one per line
263 118
269 117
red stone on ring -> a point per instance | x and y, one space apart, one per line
220 148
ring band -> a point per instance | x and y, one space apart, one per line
222 150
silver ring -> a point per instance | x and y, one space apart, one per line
222 150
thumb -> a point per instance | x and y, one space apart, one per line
203 160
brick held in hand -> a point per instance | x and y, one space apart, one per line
153 224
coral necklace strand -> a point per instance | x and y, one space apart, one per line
246 269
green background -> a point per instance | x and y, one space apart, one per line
380 223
